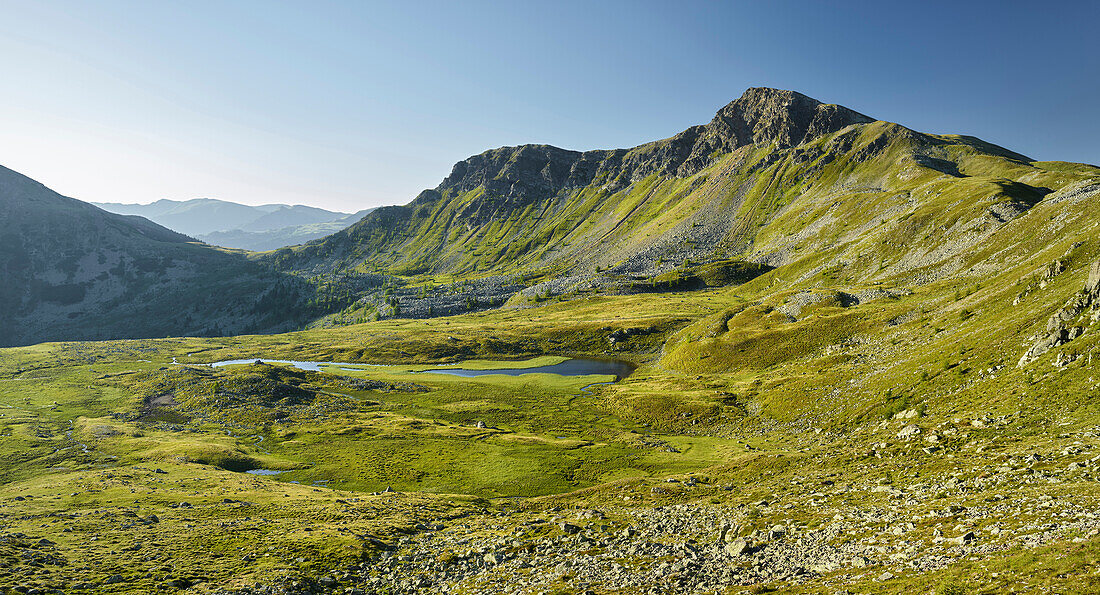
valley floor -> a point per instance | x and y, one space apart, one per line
862 463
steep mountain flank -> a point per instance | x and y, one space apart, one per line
776 177
74 271
532 183
513 176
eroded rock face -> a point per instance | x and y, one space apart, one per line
763 116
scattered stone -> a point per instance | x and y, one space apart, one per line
738 547
909 431
963 539
777 532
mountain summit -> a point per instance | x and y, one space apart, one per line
761 117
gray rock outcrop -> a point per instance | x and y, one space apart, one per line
1071 321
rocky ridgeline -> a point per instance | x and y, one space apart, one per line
504 182
515 176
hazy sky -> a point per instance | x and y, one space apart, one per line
346 105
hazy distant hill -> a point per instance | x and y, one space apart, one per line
260 241
73 271
234 225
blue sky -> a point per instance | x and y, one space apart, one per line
346 105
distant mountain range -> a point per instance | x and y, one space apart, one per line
233 225
273 239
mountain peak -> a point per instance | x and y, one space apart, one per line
763 115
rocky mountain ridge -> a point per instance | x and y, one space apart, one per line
511 177
509 180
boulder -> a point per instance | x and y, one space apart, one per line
965 538
569 529
739 547
907 414
909 431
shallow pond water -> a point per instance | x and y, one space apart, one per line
264 471
307 366
570 367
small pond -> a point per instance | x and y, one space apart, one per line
307 366
570 367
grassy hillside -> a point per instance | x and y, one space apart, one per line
74 271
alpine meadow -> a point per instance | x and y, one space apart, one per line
796 349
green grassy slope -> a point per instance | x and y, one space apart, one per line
730 390
74 271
